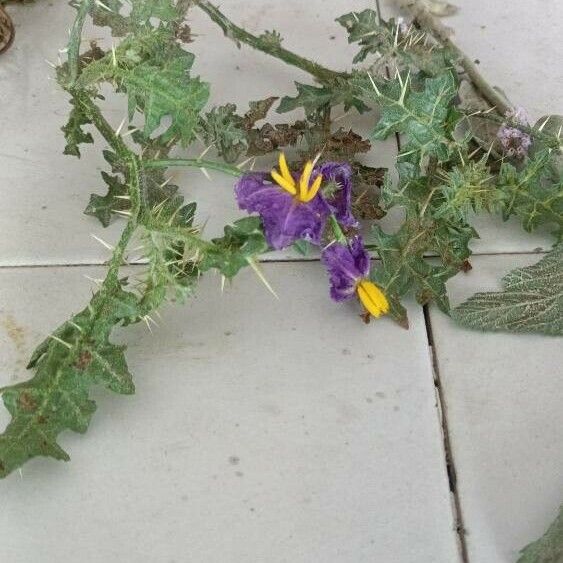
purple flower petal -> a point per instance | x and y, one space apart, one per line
514 142
285 219
346 265
341 202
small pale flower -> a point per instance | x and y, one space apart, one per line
514 141
348 266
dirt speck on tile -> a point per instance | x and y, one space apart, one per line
15 332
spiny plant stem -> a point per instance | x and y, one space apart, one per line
238 34
194 163
428 22
75 39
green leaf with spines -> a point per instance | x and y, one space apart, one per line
74 133
532 300
534 193
223 128
467 188
394 46
154 71
167 91
104 207
405 268
75 358
142 14
314 98
367 30
242 242
427 117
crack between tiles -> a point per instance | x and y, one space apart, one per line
448 453
268 261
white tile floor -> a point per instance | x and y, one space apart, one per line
247 442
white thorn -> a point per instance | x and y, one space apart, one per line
261 276
205 173
102 242
60 341
50 63
166 181
205 151
130 131
77 327
120 127
102 5
245 162
119 212
373 84
94 280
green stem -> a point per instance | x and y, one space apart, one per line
238 34
194 163
337 230
75 39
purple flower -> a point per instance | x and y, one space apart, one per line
348 266
291 207
514 141
341 201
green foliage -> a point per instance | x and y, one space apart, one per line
427 118
225 129
532 300
365 29
547 549
243 241
166 90
154 71
77 357
394 46
315 98
108 13
103 207
405 268
73 132
467 189
533 193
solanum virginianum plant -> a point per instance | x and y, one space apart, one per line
459 156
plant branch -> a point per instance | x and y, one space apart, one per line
240 35
428 22
194 163
75 39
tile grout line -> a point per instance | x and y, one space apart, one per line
272 261
446 440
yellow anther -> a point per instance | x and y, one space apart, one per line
372 298
285 180
284 169
288 186
304 180
313 189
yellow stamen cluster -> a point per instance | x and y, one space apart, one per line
302 191
372 298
